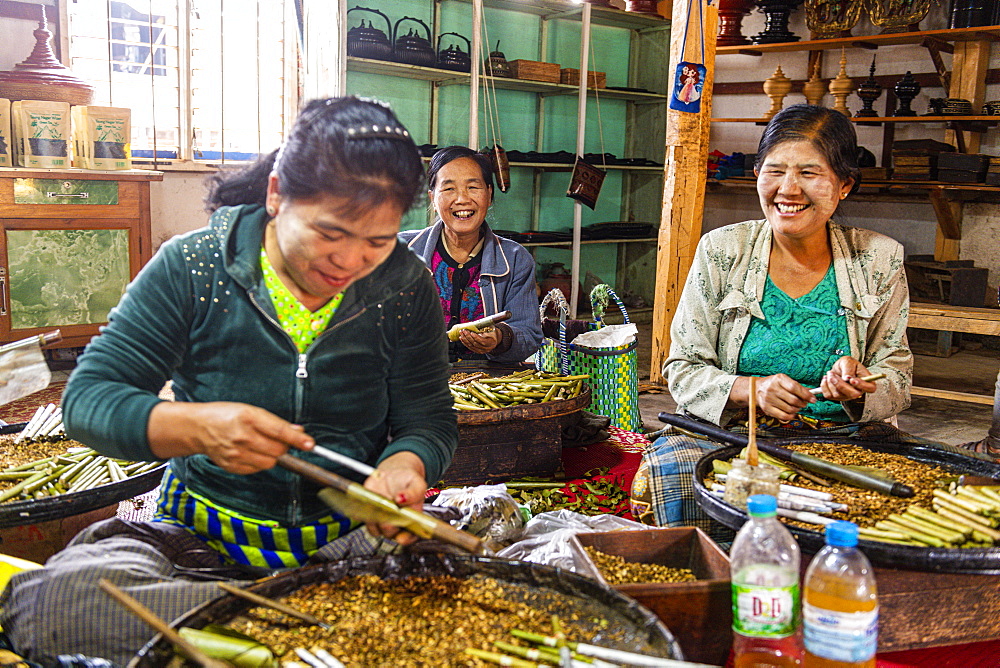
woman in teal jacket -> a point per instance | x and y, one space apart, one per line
295 321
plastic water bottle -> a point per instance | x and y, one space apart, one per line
764 562
840 603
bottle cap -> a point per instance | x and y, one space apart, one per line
762 505
842 534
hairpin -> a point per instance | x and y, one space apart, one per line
378 131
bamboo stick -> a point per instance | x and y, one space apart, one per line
752 444
148 616
271 603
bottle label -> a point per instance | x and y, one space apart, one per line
840 636
765 612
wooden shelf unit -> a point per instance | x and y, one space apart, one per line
871 42
633 192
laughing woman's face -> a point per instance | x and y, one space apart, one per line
461 197
798 189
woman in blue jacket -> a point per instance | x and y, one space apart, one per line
477 273
296 320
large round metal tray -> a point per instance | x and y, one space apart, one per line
643 631
940 560
33 511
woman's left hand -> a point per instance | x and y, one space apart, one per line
480 342
399 478
843 381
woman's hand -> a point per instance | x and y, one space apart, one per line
239 438
843 381
779 395
480 342
399 478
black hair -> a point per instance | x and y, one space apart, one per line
349 147
445 155
829 131
244 185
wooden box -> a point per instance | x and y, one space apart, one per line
571 76
512 442
698 613
534 70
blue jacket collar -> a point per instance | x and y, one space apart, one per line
495 261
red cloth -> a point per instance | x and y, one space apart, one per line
620 454
971 655
21 410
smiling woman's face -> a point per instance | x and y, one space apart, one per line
461 197
318 252
798 189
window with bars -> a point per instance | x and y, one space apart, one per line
206 80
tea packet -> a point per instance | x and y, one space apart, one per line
101 137
42 133
6 135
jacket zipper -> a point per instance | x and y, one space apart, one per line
301 374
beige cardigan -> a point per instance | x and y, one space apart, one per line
724 290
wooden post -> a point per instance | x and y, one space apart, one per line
684 180
968 81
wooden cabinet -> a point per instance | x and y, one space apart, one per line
70 240
627 119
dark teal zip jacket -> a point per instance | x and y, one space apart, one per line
372 384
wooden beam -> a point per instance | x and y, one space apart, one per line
948 212
684 179
951 396
970 65
943 317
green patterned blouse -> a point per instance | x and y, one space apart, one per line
299 322
799 337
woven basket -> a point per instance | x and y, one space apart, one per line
26 90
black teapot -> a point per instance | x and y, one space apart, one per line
497 65
368 41
411 48
453 58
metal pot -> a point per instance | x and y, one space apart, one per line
597 606
368 41
951 560
411 48
453 58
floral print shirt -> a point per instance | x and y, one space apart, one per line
723 293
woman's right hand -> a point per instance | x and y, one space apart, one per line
237 437
779 396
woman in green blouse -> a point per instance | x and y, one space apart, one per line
797 301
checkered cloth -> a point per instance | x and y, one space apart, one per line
59 609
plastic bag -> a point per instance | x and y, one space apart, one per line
546 538
490 513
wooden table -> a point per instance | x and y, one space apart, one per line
947 319
920 609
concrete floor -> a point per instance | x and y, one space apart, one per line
947 421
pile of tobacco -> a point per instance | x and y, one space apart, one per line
616 570
423 621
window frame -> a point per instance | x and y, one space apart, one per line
186 160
